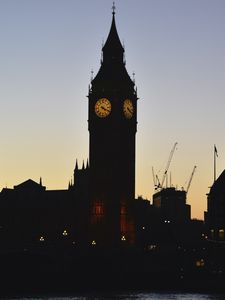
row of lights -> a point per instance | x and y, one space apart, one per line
123 238
42 239
65 233
167 221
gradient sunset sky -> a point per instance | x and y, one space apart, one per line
176 49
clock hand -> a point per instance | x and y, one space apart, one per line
105 109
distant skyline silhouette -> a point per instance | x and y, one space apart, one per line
176 50
96 233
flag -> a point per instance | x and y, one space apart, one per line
215 150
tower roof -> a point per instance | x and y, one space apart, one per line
29 185
219 185
113 48
112 74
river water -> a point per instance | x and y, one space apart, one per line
127 296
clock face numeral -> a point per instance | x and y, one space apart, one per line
103 108
128 108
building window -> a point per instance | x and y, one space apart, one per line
98 209
212 234
123 210
221 234
157 202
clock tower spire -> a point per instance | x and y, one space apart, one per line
112 125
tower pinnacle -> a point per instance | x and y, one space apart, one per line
113 49
113 8
112 74
76 166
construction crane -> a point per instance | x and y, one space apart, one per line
167 167
154 178
156 181
190 180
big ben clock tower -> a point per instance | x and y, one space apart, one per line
112 127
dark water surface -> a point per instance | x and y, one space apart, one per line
127 296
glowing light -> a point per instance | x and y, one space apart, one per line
143 227
200 263
151 247
42 239
93 243
123 238
221 234
123 209
98 209
65 233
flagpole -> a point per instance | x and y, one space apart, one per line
215 155
214 163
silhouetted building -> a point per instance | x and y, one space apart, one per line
99 206
112 125
215 216
80 178
30 214
171 204
61 240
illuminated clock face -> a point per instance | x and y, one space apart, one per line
103 108
128 108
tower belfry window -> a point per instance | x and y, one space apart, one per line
123 210
98 209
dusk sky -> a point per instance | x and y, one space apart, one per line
176 49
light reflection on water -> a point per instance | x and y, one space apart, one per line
140 296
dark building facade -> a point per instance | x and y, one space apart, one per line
99 207
112 125
172 206
30 214
95 235
215 216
